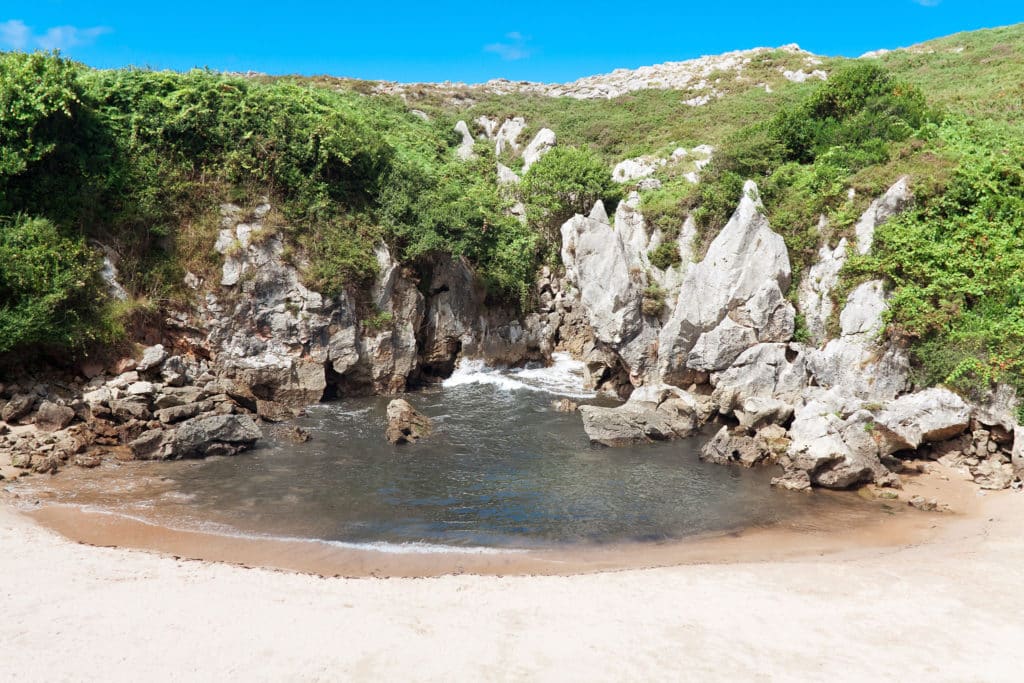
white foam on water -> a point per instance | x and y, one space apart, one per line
564 377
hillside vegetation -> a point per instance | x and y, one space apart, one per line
139 161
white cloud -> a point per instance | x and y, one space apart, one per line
515 48
928 3
16 35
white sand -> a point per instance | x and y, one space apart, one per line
951 609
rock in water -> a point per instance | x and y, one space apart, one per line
564 405
653 413
405 423
215 435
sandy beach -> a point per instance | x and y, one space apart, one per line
947 607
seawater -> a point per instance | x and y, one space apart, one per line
503 470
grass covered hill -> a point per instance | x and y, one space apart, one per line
139 161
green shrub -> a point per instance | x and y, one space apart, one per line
956 266
566 181
51 294
666 255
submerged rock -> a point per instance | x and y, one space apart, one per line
405 423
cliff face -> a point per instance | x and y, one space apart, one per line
833 414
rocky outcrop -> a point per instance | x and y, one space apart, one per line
765 380
198 438
653 413
896 199
465 149
835 445
541 144
507 137
596 262
734 296
857 361
815 294
405 423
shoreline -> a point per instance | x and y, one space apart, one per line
836 536
941 607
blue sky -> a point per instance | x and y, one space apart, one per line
470 41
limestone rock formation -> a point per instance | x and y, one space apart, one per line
541 144
746 268
896 199
857 362
597 264
507 136
465 149
815 295
927 416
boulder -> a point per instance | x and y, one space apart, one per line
653 413
52 417
729 446
636 168
793 479
270 411
18 407
993 475
927 416
132 408
140 389
174 372
564 405
405 423
170 397
180 413
152 358
295 382
836 451
153 444
215 435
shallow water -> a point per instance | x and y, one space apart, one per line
502 470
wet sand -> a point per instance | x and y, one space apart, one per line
945 605
878 526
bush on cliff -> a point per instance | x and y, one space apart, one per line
140 159
51 295
956 266
566 181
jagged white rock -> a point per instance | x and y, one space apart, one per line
745 257
465 150
896 199
542 143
